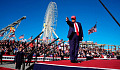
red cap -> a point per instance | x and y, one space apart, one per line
73 17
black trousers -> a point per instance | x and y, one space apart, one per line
18 66
29 61
1 58
74 46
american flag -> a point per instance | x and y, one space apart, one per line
22 36
85 42
24 40
1 35
61 40
31 45
30 38
95 43
93 29
12 35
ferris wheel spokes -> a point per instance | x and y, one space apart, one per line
50 21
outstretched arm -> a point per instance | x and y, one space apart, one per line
69 22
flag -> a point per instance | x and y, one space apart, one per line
61 40
93 29
1 35
30 38
12 29
24 40
95 43
31 45
22 36
85 42
12 35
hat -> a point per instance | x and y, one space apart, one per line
73 17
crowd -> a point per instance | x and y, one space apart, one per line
10 47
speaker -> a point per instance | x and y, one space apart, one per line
118 57
89 57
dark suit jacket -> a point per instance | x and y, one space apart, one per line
19 58
72 30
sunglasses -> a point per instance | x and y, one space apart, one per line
73 19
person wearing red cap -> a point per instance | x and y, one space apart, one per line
75 35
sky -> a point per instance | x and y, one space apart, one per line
87 12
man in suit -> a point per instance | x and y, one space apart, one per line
75 35
1 53
29 57
19 58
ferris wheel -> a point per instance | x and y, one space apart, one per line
50 21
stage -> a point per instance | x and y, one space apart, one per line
84 65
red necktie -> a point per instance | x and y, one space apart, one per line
76 29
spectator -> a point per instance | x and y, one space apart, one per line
19 59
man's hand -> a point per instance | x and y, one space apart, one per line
67 19
15 62
82 38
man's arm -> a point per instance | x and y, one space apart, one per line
16 57
69 22
81 31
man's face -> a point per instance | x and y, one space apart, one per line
20 49
73 20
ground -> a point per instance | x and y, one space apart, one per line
11 65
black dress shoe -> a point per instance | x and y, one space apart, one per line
76 61
72 61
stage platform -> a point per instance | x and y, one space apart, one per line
84 65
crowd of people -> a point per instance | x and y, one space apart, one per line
10 47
